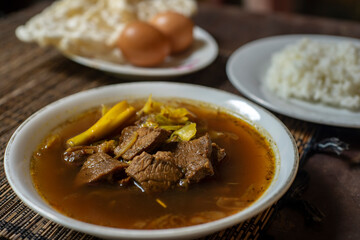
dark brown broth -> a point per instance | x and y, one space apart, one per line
241 178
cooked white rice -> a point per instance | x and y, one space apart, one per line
318 72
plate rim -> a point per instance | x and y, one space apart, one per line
133 71
290 38
109 232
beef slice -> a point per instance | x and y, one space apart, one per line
194 157
147 140
99 167
154 173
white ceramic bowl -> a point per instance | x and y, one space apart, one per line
31 132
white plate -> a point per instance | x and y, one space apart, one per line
203 52
246 70
31 132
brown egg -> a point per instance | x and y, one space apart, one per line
143 45
177 27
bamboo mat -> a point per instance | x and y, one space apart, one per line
32 77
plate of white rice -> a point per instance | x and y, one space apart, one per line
315 78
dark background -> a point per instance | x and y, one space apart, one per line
340 9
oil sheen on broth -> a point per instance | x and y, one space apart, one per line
241 178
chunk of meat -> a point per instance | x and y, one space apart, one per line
164 156
195 158
77 155
99 166
147 139
127 139
217 154
154 173
106 147
127 133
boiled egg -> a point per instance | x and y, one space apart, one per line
143 45
177 27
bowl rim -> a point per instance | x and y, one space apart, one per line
183 232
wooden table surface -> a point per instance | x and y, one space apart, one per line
32 77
